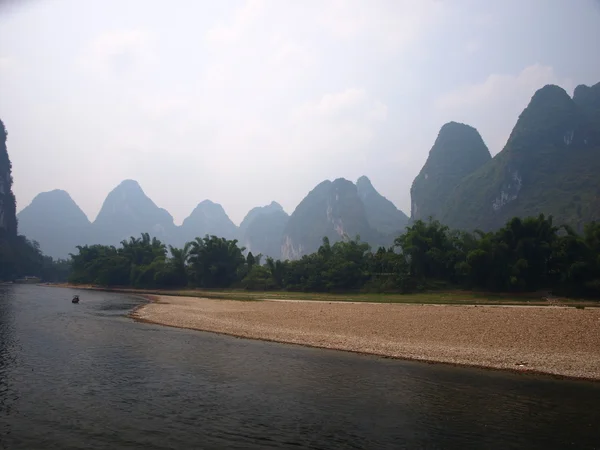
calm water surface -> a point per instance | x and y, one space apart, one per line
87 377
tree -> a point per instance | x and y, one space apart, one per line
179 263
524 255
215 261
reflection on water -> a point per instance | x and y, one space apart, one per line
86 376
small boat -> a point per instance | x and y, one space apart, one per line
75 299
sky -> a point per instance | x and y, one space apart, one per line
247 101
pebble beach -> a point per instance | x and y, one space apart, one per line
562 341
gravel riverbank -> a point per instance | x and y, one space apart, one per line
556 340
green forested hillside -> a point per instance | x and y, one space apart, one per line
458 151
549 165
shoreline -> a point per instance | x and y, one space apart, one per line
450 297
478 336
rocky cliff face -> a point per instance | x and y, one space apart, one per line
55 221
382 214
549 165
256 212
8 205
457 152
128 211
262 230
207 218
333 210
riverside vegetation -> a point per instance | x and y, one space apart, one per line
524 255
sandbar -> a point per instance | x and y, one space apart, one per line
562 341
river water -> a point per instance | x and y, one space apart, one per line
87 377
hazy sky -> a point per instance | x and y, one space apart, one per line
245 102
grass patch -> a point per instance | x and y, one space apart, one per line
447 297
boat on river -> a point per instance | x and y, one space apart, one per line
75 299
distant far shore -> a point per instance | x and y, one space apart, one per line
454 297
561 341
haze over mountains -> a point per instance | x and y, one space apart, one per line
549 165
59 225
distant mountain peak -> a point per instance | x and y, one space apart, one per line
56 198
382 214
257 211
588 98
452 137
128 211
364 181
56 222
364 186
207 205
332 209
54 194
341 180
549 91
210 218
453 125
546 101
275 205
129 185
551 119
457 151
583 90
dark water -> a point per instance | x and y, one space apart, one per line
86 376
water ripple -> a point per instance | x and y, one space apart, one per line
85 376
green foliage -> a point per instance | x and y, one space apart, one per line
525 255
20 257
259 278
215 262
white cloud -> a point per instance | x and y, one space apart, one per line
478 104
331 104
7 63
243 19
337 124
119 53
245 102
473 46
393 24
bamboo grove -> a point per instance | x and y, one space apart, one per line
525 255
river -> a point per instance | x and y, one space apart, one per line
87 377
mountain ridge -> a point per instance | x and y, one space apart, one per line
127 211
548 165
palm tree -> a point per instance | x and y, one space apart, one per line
179 260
